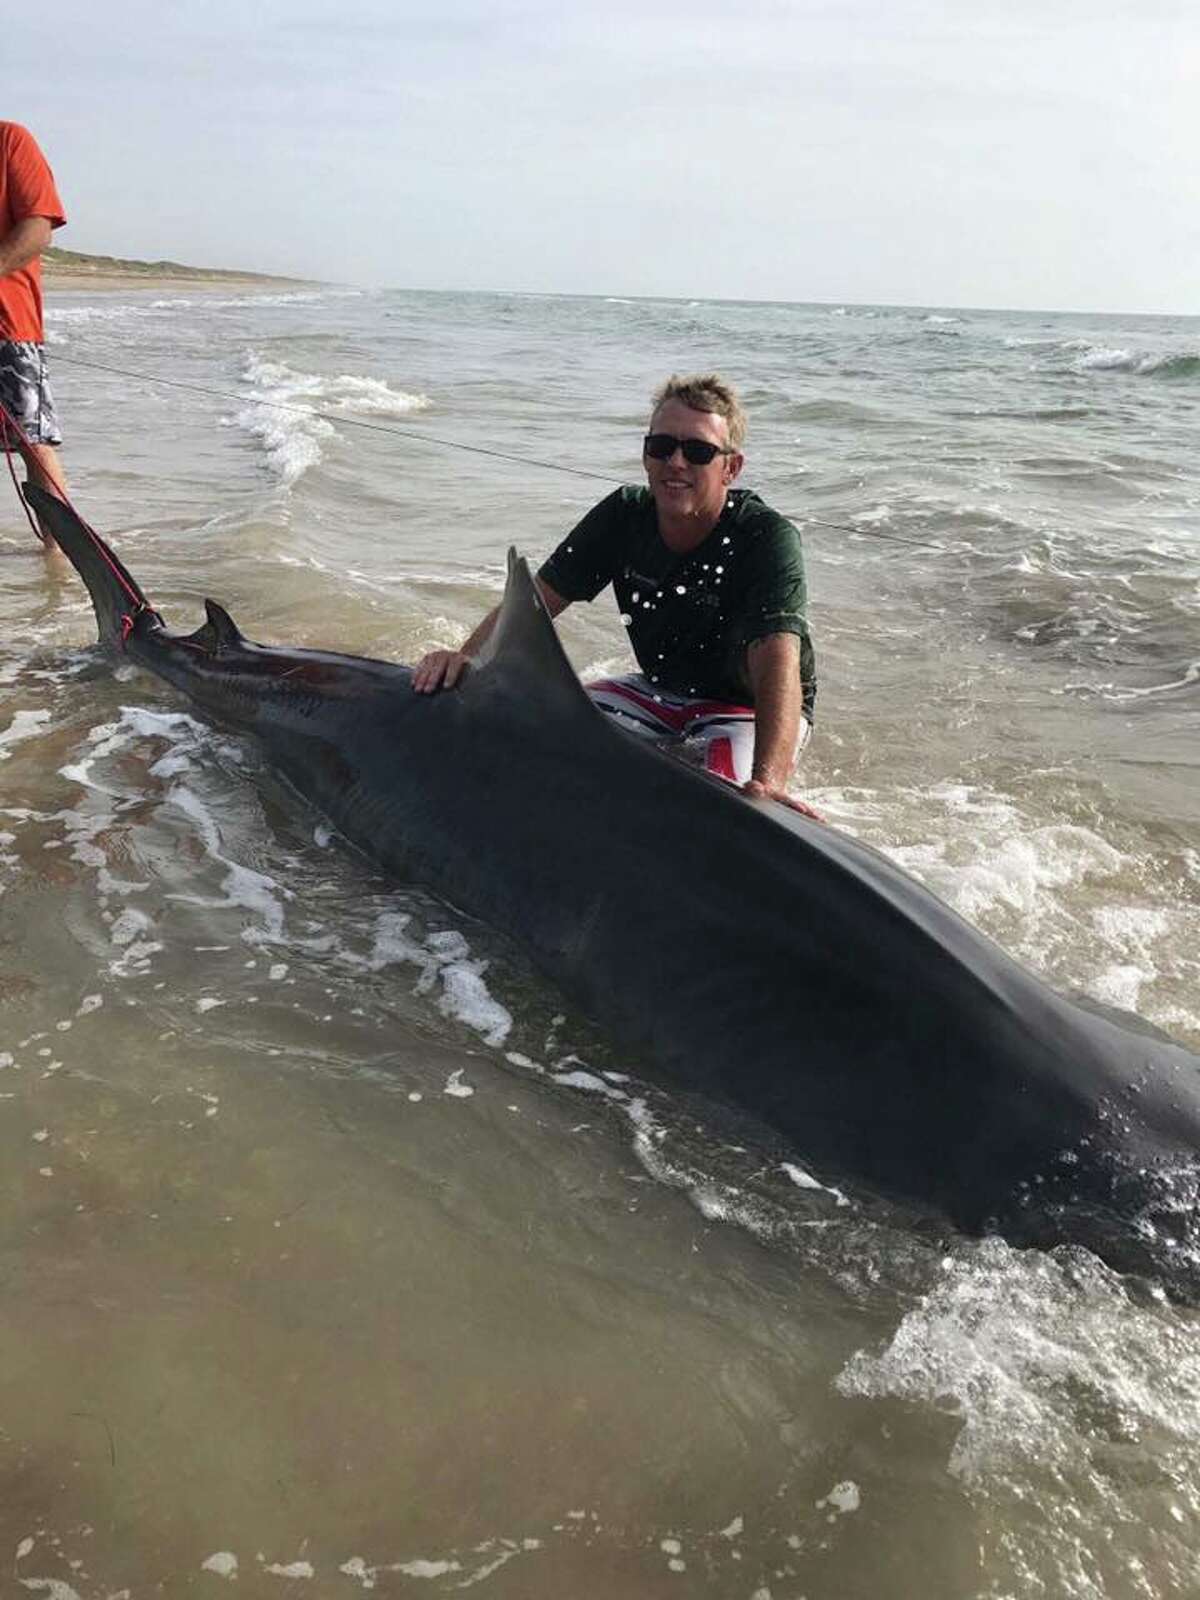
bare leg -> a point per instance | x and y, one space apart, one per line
45 472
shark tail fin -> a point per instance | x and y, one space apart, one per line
117 599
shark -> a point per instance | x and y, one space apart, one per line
762 960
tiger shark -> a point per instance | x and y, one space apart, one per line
759 959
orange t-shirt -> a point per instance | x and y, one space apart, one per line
26 190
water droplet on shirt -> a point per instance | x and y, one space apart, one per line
718 570
681 588
626 619
635 597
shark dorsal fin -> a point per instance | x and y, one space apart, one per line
219 633
524 645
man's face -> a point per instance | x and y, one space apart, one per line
679 488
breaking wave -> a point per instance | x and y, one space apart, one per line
287 410
1157 364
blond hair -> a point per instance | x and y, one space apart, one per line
706 392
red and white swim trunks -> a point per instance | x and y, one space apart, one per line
720 733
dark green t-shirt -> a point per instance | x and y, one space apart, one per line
691 616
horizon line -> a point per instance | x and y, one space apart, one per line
611 294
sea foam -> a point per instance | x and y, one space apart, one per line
287 410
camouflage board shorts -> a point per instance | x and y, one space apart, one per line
25 393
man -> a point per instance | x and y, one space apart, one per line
29 210
710 583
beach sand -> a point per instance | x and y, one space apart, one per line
57 281
74 271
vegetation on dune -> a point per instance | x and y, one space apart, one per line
76 264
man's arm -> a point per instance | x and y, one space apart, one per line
22 243
773 664
442 669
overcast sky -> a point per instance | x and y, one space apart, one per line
1020 153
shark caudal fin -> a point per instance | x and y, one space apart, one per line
115 595
524 644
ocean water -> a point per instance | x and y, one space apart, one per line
340 1255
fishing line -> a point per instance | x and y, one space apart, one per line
334 418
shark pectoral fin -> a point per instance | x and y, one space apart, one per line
219 633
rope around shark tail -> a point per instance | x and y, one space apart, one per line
118 601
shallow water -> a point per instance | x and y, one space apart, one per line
338 1254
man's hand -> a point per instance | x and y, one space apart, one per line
760 791
440 669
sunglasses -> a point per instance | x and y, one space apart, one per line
696 452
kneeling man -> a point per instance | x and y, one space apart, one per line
710 584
